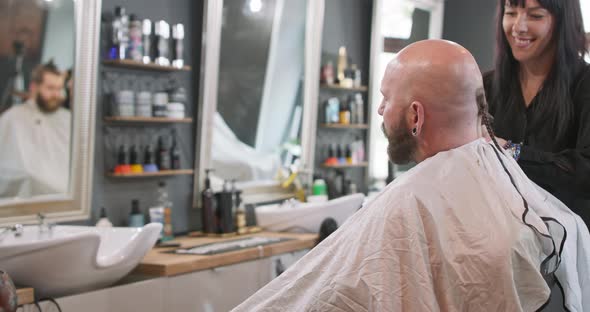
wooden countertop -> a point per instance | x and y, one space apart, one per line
25 296
159 263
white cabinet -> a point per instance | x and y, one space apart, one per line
219 289
145 296
213 290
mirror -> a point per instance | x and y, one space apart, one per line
260 91
256 98
47 116
35 116
395 25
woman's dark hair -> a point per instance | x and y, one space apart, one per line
554 104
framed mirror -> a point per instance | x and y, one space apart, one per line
396 23
586 16
48 57
258 91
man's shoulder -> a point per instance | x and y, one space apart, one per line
12 114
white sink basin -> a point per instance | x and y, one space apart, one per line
307 217
71 259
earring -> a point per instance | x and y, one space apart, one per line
414 131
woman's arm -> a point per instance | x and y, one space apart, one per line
569 168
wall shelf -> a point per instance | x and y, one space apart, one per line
147 120
341 126
139 65
341 88
342 166
25 296
161 173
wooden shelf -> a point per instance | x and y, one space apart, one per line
25 296
147 120
341 88
161 173
359 165
341 126
139 65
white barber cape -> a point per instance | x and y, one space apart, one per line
34 151
452 234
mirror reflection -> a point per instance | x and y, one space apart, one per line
260 90
37 58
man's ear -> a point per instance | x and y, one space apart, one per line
33 87
416 117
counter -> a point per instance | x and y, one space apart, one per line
25 296
159 263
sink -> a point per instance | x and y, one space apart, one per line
64 260
307 217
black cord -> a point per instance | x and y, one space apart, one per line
52 301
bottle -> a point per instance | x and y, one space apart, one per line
352 107
352 188
225 217
209 207
240 215
162 32
332 110
135 50
122 156
120 33
344 113
136 218
136 166
174 153
356 76
348 79
163 155
146 36
328 73
340 155
360 108
149 161
177 45
319 187
103 221
115 33
122 166
164 201
331 160
348 154
342 63
234 196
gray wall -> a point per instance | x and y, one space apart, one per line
346 23
471 24
116 194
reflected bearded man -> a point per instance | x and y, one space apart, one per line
35 139
463 230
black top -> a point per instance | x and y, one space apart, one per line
562 166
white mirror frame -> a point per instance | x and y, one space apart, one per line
76 204
209 77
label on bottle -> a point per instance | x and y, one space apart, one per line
345 117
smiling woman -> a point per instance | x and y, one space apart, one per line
538 94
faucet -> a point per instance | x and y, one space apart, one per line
44 226
17 229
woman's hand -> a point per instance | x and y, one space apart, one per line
501 142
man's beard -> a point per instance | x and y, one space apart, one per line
48 106
402 145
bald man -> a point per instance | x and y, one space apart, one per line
461 231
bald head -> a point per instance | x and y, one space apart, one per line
434 83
